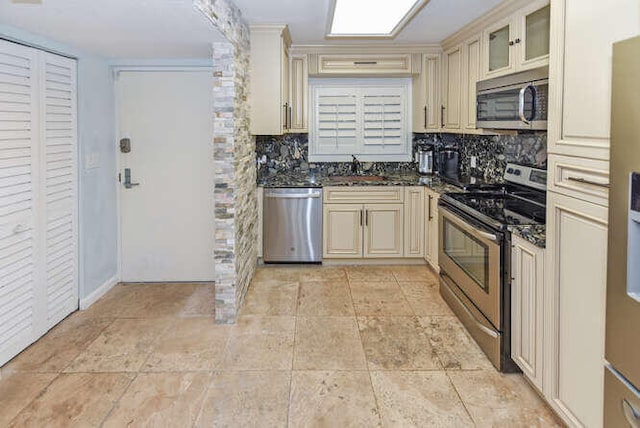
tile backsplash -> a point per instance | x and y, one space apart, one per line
289 154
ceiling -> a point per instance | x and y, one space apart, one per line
175 29
117 28
307 19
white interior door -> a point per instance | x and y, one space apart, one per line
167 221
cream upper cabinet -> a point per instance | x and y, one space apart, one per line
471 74
269 68
298 93
452 93
518 42
575 294
383 230
527 308
426 95
580 96
414 221
431 228
362 64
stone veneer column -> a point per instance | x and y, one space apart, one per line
234 156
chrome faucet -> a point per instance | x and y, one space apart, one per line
355 165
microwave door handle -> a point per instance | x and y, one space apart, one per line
521 100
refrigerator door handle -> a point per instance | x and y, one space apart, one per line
631 414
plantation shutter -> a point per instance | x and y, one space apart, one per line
383 118
336 120
18 181
59 119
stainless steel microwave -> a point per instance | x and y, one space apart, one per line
516 101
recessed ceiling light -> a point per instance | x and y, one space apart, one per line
371 18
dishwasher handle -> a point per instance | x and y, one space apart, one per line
276 195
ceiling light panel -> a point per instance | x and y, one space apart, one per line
353 18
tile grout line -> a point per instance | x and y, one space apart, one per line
116 402
464 405
293 351
366 360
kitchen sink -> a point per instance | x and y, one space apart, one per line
347 178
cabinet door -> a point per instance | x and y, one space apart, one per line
426 95
452 88
383 230
534 23
470 76
298 94
580 99
284 87
498 48
431 239
575 308
414 222
527 315
342 231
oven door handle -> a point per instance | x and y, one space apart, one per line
470 314
469 227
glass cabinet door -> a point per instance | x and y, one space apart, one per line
499 49
536 37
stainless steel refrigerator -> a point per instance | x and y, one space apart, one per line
622 349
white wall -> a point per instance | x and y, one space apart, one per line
97 187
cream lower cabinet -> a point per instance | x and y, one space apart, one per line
527 308
431 228
361 222
414 221
575 309
260 206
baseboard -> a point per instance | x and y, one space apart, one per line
98 293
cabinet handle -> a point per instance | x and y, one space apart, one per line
286 112
365 62
360 217
366 217
585 181
442 116
425 117
290 117
430 210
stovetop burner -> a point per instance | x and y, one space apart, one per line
504 208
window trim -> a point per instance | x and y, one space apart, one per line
405 83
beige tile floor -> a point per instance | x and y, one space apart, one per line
313 347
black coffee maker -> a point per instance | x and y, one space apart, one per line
447 163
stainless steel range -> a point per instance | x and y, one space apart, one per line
475 254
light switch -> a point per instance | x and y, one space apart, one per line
92 160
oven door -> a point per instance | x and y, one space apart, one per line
470 255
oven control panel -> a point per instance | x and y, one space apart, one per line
526 175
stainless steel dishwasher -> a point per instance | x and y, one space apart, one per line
292 225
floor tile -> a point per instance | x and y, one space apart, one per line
277 273
122 347
271 298
18 390
366 273
495 399
272 351
453 345
379 298
332 399
199 303
246 399
418 399
160 400
325 343
189 344
325 298
424 298
323 273
414 273
58 348
256 324
78 399
397 343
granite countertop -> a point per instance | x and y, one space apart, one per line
392 179
535 234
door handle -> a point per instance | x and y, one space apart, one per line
127 179
523 91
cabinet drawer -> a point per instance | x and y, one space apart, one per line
586 179
368 195
360 64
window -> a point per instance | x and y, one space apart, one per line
368 118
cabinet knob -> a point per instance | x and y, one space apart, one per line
511 43
518 40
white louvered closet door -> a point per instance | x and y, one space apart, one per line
38 196
18 197
58 142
